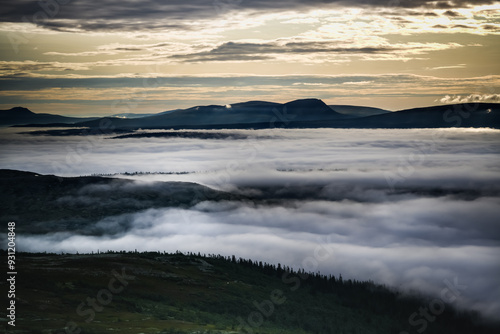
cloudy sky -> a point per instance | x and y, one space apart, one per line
80 57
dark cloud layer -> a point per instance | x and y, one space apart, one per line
154 14
231 51
23 82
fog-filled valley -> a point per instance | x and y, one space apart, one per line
412 209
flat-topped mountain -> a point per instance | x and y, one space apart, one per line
240 115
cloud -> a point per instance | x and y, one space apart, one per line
15 68
155 14
451 13
447 67
491 27
357 83
29 82
234 51
158 54
474 98
114 49
329 51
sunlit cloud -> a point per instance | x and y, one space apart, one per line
492 98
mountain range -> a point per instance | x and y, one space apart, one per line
305 113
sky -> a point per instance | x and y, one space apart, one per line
88 58
406 208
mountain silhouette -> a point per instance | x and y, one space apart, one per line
20 115
240 115
305 113
457 115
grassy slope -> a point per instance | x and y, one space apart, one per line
176 293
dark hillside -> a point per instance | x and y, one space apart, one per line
47 203
20 115
155 292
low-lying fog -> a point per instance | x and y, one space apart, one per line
407 208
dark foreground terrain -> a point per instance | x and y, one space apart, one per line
186 293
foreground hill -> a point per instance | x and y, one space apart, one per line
155 292
47 203
19 115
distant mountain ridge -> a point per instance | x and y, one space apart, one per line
305 113
20 115
246 114
457 115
